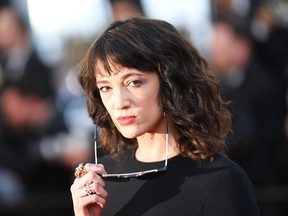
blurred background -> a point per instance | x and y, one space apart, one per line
45 131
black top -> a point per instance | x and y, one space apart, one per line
187 188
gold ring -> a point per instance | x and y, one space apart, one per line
79 171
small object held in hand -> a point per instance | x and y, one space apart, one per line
79 171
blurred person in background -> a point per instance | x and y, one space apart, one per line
124 9
17 55
31 168
269 27
269 30
257 103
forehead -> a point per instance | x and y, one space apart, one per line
102 71
121 72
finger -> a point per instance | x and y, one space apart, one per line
98 168
97 189
80 202
77 191
89 178
79 171
86 199
94 198
88 190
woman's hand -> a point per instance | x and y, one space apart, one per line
88 193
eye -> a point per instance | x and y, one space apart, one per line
135 83
104 88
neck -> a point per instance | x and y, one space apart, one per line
152 147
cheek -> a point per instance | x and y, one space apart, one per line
152 95
106 105
150 106
105 100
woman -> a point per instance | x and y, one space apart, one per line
163 125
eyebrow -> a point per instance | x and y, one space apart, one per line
125 76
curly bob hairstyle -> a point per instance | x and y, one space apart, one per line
189 93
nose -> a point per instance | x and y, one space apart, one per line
121 98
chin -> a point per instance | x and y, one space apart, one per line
129 134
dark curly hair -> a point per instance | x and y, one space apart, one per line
188 93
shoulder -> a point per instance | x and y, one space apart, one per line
222 172
231 188
229 174
228 165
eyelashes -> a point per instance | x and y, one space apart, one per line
133 83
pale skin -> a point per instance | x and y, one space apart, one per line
130 98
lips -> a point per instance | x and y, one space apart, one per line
126 120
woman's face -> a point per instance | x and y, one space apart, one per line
130 97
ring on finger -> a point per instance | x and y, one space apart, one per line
80 171
88 190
